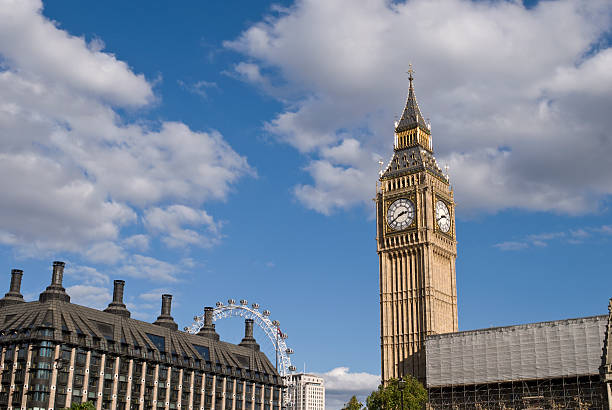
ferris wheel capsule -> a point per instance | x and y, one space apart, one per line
185 328
289 351
262 319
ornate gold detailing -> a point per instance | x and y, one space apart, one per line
411 138
390 201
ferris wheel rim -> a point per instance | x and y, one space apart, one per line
262 319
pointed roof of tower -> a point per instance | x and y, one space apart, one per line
412 153
411 160
411 117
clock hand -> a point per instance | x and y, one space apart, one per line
400 214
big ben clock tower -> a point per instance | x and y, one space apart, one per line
415 217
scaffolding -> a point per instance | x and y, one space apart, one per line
546 365
578 392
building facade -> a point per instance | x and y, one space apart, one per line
55 353
565 364
546 365
415 215
308 390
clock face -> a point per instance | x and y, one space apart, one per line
443 216
400 214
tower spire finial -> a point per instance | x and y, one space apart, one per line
411 117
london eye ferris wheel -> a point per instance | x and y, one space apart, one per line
262 318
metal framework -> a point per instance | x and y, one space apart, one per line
577 392
262 319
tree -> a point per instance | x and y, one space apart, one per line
353 404
82 406
389 396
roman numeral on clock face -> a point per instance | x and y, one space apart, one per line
400 214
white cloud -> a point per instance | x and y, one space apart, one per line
75 174
578 236
148 304
511 245
188 262
542 239
92 296
146 267
199 87
87 275
341 385
47 206
518 98
145 306
605 229
174 163
251 73
105 252
170 222
335 187
137 312
593 76
154 295
348 152
572 236
36 45
139 242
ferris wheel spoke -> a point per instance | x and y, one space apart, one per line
262 319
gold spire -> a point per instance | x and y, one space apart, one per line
410 72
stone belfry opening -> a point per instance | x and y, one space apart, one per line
417 248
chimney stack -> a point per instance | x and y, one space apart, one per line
248 328
208 316
165 319
14 295
208 330
166 305
118 286
249 340
58 273
55 291
16 275
117 306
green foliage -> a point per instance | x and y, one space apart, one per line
353 404
82 406
389 396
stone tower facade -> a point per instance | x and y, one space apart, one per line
415 216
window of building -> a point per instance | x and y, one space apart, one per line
162 374
203 351
106 329
158 341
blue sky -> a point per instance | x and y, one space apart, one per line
219 150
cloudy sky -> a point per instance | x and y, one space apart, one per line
221 150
